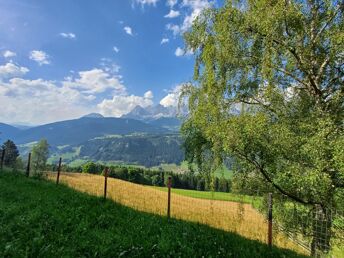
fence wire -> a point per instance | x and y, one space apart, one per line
307 230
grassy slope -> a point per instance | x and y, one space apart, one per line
183 167
211 195
39 219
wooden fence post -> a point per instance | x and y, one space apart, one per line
58 171
28 165
169 184
105 183
270 219
2 158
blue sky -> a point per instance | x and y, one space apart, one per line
62 59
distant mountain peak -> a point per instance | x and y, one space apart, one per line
93 115
151 112
139 111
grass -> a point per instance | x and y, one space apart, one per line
77 162
40 219
65 156
183 167
228 216
212 195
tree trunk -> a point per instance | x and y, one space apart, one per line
322 222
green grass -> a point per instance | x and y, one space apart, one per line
183 167
65 156
211 195
77 162
40 219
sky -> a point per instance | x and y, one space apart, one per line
63 59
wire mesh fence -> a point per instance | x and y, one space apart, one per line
307 230
244 215
319 230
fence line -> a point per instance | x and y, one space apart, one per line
58 171
2 158
28 165
169 185
225 215
316 232
105 182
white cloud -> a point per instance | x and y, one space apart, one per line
11 70
116 49
171 3
8 54
196 6
40 57
68 35
120 105
146 2
96 81
172 14
164 41
109 66
172 98
148 95
193 9
128 30
174 28
181 52
40 101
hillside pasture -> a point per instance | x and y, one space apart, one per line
237 217
40 219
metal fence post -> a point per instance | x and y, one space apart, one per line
270 219
169 184
105 183
58 172
28 165
2 158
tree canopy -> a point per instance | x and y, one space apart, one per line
269 92
11 153
40 154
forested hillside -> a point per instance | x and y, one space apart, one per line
80 130
140 149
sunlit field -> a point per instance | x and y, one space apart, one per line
237 217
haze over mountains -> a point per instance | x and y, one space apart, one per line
136 136
152 120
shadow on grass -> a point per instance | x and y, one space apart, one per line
40 219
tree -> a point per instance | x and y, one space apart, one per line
200 184
11 153
40 154
223 185
269 92
90 167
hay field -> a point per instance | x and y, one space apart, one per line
229 216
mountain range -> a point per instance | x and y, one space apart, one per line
94 133
151 112
152 120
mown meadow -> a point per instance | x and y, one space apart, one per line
40 219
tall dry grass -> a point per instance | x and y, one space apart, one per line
229 216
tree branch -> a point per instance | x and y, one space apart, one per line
340 6
266 176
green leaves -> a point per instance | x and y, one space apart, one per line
269 92
40 154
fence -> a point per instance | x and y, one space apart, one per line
302 229
268 218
